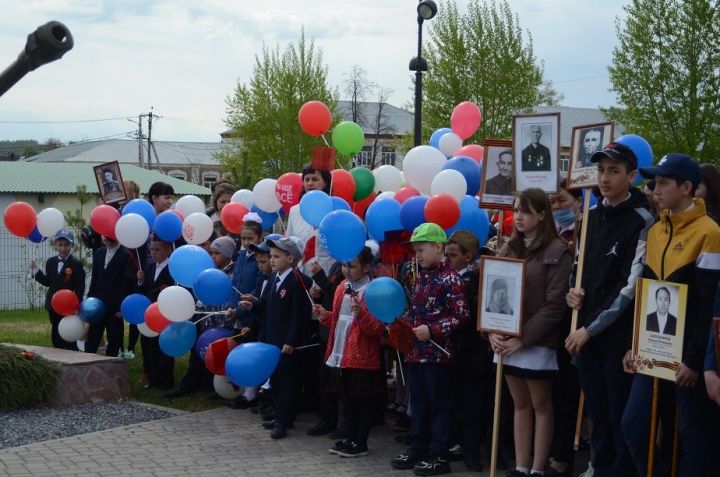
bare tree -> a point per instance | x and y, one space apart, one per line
357 87
381 125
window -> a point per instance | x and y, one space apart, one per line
564 163
178 174
388 156
209 179
364 157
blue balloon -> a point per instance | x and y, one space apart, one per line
208 337
435 137
383 216
213 287
385 299
92 310
268 218
251 364
339 203
314 206
412 212
642 149
168 226
143 208
187 262
343 235
35 236
473 219
178 338
470 170
133 308
593 197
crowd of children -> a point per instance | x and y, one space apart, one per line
336 357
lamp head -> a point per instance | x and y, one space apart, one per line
427 9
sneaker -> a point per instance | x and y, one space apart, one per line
407 460
436 466
128 355
589 472
455 454
339 446
243 403
278 431
353 450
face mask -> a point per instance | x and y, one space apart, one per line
564 217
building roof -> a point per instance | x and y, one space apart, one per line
64 178
571 117
126 152
399 122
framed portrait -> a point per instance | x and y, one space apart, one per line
110 183
536 151
659 327
496 184
586 141
500 295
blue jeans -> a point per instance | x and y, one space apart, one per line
431 403
694 409
606 387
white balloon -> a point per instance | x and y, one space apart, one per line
190 204
132 230
449 182
385 195
388 178
450 143
264 196
225 388
49 221
71 328
197 228
421 165
145 331
244 196
176 303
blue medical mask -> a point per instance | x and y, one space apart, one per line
564 217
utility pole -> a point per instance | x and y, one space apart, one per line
149 139
140 138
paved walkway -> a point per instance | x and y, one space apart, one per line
217 443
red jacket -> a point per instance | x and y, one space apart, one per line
362 349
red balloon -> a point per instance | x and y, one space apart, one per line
342 185
442 209
315 118
64 302
508 223
232 215
103 219
404 193
179 214
472 151
288 188
155 320
361 206
20 218
217 353
465 119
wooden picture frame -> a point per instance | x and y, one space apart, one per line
497 313
536 159
499 193
586 140
110 182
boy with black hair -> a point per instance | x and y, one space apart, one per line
683 247
615 247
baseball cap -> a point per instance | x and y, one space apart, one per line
66 234
428 232
677 165
261 247
466 240
286 245
224 245
617 152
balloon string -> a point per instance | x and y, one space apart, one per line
447 353
208 313
135 262
307 346
324 140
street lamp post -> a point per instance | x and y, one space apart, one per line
426 9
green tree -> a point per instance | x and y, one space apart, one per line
666 74
481 55
263 112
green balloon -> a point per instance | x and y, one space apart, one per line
348 138
364 182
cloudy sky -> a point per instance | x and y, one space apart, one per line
184 57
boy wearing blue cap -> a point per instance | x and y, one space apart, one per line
62 272
682 247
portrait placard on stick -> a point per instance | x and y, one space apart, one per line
496 183
586 141
659 327
501 293
536 151
110 183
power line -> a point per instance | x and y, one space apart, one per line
581 79
67 121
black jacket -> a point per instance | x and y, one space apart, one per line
473 349
287 312
614 254
114 283
654 326
71 277
150 287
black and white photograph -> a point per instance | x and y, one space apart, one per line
536 151
500 303
586 141
110 183
496 186
662 320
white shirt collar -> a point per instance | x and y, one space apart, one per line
605 201
460 272
662 321
281 278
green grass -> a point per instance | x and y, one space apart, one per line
32 327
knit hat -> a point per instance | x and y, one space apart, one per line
224 245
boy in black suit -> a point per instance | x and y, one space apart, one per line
111 282
287 313
159 367
62 272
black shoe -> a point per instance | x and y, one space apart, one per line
473 463
353 450
552 472
176 393
407 460
242 403
434 466
268 424
337 434
320 429
339 446
515 473
268 417
278 431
